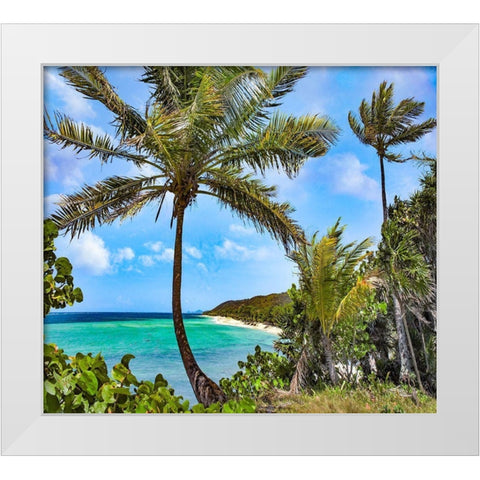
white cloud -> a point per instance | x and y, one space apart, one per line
162 254
88 252
165 256
146 260
64 166
193 251
408 81
145 170
51 169
50 204
154 246
346 175
241 229
122 254
233 251
74 103
202 267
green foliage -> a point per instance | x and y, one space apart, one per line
332 293
351 339
261 373
81 384
259 309
327 271
292 321
58 288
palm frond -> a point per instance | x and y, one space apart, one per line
354 301
245 91
174 87
404 267
281 81
357 128
92 83
104 202
412 133
80 137
284 144
254 202
327 276
406 112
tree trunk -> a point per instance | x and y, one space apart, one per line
206 391
412 352
405 363
298 379
384 193
372 364
327 345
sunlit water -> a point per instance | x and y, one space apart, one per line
151 338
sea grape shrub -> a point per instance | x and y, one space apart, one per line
261 373
81 384
58 288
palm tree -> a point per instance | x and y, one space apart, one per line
202 127
332 291
408 281
384 125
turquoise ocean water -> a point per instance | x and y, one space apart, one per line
151 338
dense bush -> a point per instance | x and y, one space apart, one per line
261 373
81 384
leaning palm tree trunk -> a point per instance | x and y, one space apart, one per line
206 391
298 379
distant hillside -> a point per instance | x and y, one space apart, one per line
259 309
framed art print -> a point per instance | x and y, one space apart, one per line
195 249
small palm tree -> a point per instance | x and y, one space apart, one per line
201 129
332 290
384 125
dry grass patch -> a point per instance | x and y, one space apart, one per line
384 399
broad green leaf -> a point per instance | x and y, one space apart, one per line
99 407
49 387
87 381
120 372
51 404
107 392
78 294
63 266
126 359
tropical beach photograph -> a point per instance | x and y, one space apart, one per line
240 239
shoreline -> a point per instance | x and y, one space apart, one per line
239 323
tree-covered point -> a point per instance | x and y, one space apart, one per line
258 309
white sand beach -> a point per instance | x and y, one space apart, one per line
239 323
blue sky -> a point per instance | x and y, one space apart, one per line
128 266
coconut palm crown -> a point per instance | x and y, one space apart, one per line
205 131
384 125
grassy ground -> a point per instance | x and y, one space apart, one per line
380 398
